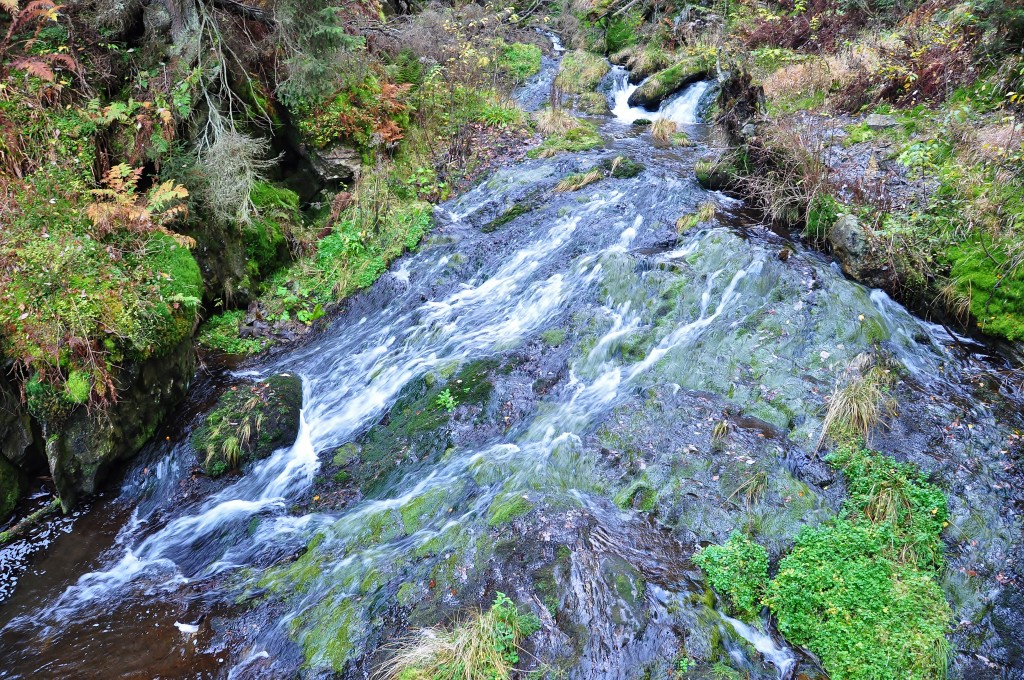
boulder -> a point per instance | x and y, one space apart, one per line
16 436
878 121
12 485
82 448
851 245
249 422
667 82
338 164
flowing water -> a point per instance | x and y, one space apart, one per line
682 108
592 349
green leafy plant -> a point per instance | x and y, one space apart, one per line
862 592
738 570
447 400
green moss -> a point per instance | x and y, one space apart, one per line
622 167
738 571
329 633
265 236
583 137
506 507
423 508
996 293
504 218
639 495
553 336
664 83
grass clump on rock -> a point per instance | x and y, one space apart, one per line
249 423
581 72
484 647
565 133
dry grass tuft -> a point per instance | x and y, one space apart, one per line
860 405
484 647
802 79
578 180
663 130
554 121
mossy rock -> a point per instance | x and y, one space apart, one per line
667 82
249 423
622 167
646 62
715 175
12 485
593 103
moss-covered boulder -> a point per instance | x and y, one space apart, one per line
644 63
248 423
82 447
11 487
667 82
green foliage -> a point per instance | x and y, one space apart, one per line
621 31
446 400
553 336
320 41
505 508
499 114
367 113
520 61
822 214
220 333
739 571
861 592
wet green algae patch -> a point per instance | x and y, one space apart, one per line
248 423
860 591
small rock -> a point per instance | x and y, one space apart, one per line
878 121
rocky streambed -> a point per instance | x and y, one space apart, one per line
559 396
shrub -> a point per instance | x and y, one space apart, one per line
738 571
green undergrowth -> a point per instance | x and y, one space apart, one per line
739 571
76 305
520 60
862 591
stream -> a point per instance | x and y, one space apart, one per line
592 349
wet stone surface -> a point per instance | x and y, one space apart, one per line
559 402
